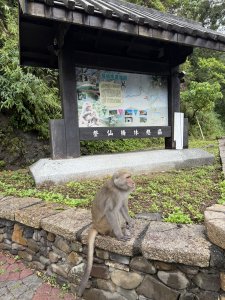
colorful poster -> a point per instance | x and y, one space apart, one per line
116 99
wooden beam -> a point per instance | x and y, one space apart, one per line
70 4
36 55
49 2
222 47
101 133
120 12
106 11
174 104
197 42
67 78
124 64
88 7
23 5
137 16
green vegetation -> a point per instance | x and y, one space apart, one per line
180 195
28 96
123 145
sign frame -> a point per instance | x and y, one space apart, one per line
123 132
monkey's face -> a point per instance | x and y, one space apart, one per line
124 181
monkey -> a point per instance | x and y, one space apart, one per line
109 215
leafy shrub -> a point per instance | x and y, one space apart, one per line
122 145
28 99
210 124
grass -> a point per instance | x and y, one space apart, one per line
181 195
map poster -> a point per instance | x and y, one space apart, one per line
117 99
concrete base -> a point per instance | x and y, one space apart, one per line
95 166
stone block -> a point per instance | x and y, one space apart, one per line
37 265
222 280
149 216
51 237
4 198
33 245
74 259
62 244
154 289
168 242
119 247
208 282
61 270
76 273
106 285
126 280
217 258
24 255
1 238
76 246
128 294
96 294
175 279
9 207
96 166
32 216
141 264
162 266
100 271
53 257
208 296
118 266
102 254
67 223
215 224
120 258
17 235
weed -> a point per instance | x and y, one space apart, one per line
178 216
2 271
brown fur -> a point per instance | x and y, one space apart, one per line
109 215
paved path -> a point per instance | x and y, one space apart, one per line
18 282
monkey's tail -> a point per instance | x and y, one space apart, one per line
91 245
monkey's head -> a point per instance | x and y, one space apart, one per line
123 181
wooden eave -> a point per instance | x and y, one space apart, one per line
125 17
39 18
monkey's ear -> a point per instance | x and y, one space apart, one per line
116 174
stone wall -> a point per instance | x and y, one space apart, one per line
162 261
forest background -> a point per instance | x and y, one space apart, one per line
29 97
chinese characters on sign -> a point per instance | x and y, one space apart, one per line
123 133
115 99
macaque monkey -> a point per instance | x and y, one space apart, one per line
109 215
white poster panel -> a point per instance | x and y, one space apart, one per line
179 130
117 99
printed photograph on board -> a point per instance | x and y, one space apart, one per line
117 99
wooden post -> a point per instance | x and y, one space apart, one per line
67 79
174 104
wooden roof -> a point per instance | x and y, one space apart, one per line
115 16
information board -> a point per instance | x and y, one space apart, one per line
118 99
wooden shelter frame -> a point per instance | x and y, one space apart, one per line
82 33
